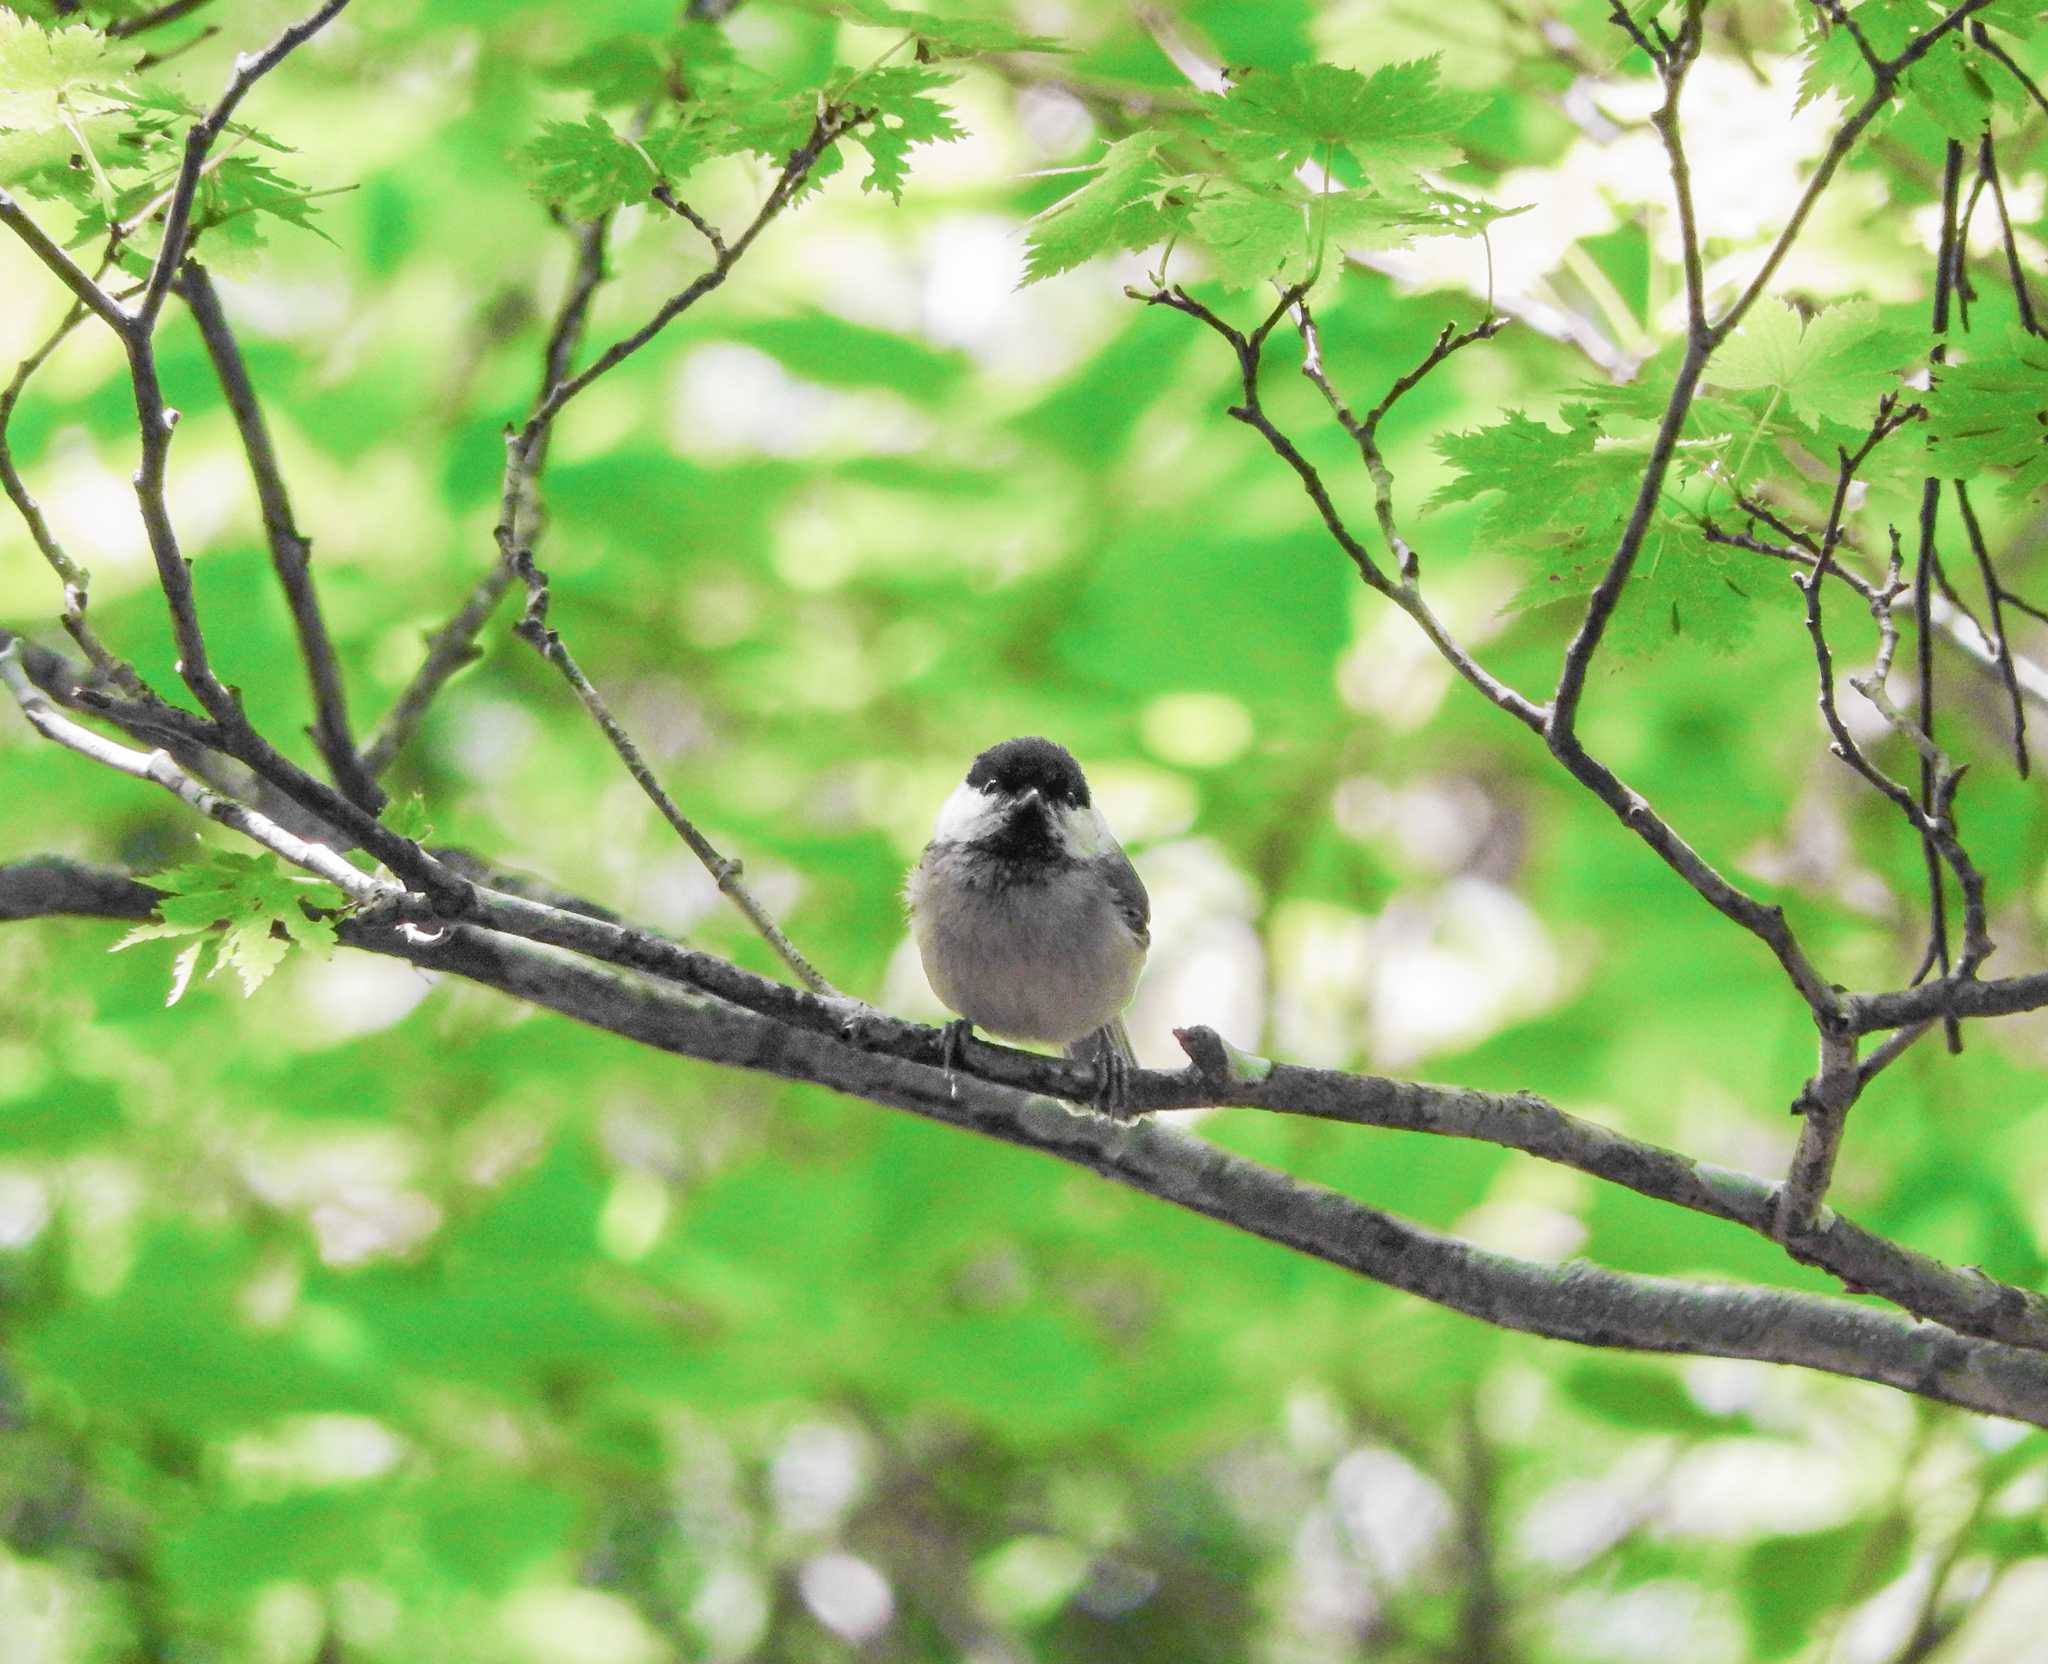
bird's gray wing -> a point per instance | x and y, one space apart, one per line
1128 889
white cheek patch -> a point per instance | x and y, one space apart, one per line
1085 833
970 813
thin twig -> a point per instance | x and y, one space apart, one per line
1982 39
290 552
73 276
199 140
453 646
1560 731
124 28
1365 434
2016 272
1947 262
158 768
1247 348
74 578
725 872
2001 645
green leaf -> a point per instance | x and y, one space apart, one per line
1254 235
1790 1584
1836 365
585 169
241 188
902 115
39 66
939 37
1396 115
258 904
1560 500
1992 412
1104 216
621 70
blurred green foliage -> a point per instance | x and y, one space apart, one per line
367 1319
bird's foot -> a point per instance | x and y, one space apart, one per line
953 1040
1112 1084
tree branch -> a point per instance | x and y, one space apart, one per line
1576 1302
158 768
290 553
199 140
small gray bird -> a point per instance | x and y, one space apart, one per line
1029 917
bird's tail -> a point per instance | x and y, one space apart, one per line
1112 1040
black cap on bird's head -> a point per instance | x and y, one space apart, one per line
1031 764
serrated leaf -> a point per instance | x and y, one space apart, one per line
1835 62
1992 412
60 100
585 169
182 968
1559 501
1397 115
252 950
1252 235
407 816
1836 365
901 115
1950 90
38 66
257 902
1096 219
242 189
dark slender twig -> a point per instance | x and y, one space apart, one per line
1948 261
1886 84
290 552
68 272
1984 41
824 133
124 28
199 140
725 872
70 574
1702 337
1560 731
1365 434
2001 645
1895 1046
1838 16
682 210
158 768
1247 349
453 646
525 449
2016 272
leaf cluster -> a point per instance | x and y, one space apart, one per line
1264 177
1784 397
693 100
251 907
79 126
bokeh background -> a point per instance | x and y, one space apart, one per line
371 1318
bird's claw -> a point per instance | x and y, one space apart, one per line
1112 1084
953 1040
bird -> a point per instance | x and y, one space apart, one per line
1031 921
